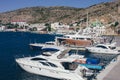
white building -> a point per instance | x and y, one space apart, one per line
37 26
2 28
98 28
20 23
58 25
60 28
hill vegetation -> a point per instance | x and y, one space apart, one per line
107 12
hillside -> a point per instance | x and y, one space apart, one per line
62 13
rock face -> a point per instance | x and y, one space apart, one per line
62 14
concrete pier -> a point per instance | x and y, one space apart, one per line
111 71
114 73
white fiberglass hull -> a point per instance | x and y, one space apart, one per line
52 47
46 47
36 46
58 74
105 51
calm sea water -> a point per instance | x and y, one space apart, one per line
14 44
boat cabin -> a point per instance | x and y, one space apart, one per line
38 59
77 37
50 43
69 65
106 47
49 64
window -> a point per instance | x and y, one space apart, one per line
81 38
46 55
112 47
51 64
43 63
39 68
37 59
69 66
50 43
88 39
102 47
77 38
66 36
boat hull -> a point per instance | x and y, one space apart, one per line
58 74
50 49
78 42
36 46
104 51
72 42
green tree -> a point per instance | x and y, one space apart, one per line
116 24
26 27
34 29
9 25
48 26
16 26
0 22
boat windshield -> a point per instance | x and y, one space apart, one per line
112 47
69 65
88 38
48 64
50 43
47 53
51 64
100 46
37 59
44 63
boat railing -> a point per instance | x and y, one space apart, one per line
62 54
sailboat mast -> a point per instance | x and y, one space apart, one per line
87 20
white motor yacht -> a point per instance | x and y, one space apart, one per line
57 65
36 46
53 47
47 46
103 48
74 40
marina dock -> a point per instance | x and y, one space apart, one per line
111 71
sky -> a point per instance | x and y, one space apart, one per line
8 5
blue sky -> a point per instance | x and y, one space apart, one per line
8 5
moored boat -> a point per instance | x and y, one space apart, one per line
77 39
103 48
36 46
39 46
56 65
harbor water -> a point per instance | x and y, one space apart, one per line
14 44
